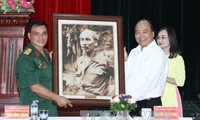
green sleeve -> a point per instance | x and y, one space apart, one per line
26 71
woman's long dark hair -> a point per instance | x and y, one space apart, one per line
174 47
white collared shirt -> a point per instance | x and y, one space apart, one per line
146 72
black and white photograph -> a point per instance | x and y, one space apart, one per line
87 54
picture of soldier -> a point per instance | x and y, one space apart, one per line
88 61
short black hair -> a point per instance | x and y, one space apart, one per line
148 21
35 22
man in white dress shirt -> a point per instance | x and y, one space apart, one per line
146 69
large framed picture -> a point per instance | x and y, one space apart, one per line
88 65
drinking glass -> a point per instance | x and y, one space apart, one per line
43 114
146 113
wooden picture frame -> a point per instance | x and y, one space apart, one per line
83 85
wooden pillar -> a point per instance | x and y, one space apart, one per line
12 34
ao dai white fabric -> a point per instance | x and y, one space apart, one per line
146 72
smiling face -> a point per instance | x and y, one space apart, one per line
38 36
163 39
143 33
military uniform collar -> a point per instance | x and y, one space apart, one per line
37 53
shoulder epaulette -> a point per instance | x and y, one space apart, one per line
27 51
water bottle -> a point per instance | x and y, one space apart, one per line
34 110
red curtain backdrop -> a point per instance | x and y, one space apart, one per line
45 8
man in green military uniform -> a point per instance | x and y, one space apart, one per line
34 72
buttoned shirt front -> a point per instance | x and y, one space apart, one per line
146 72
94 74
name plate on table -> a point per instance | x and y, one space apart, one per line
161 112
16 111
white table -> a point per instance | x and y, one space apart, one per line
88 118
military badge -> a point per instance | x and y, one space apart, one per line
40 64
37 53
27 51
45 65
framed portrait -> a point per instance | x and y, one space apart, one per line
88 59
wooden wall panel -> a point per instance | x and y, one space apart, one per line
11 47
